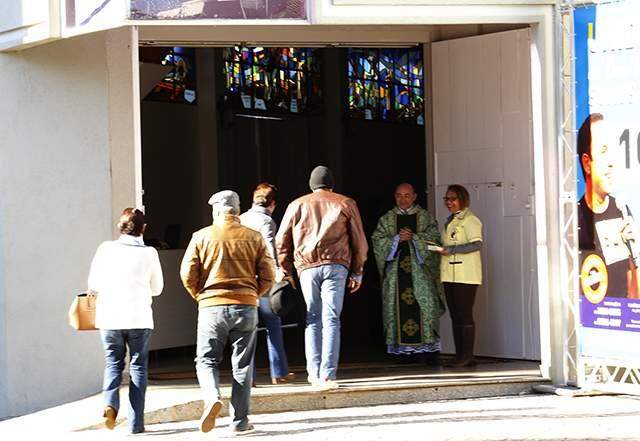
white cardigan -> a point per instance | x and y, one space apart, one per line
126 274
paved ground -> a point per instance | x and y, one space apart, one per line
529 417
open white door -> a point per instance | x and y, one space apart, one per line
483 140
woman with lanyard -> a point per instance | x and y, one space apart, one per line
461 270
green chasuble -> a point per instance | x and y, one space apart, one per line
412 295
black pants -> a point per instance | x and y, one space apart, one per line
460 298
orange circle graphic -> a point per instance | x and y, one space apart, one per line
594 278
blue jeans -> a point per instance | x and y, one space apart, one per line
115 342
323 290
278 364
216 325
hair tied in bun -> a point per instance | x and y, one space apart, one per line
131 222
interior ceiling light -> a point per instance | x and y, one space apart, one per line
244 115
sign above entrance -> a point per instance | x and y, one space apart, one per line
217 9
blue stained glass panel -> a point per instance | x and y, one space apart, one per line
260 56
415 68
386 84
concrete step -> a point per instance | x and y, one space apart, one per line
180 400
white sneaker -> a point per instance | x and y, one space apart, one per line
208 419
328 385
313 381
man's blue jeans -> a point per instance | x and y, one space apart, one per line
216 325
323 290
115 342
278 363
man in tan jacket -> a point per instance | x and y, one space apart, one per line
321 235
226 269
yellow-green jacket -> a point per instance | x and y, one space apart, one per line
464 228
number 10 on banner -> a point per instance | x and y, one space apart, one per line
625 141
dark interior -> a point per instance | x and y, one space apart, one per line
368 158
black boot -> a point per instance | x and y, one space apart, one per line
406 359
457 333
431 358
467 341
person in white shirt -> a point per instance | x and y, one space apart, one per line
125 274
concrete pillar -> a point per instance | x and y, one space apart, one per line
547 199
123 88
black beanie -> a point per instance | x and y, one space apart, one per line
321 177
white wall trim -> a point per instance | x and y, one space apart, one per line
544 65
135 98
125 144
444 2
327 12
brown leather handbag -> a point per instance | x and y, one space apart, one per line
82 313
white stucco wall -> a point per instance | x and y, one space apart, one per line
56 206
3 316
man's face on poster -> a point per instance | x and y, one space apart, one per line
600 165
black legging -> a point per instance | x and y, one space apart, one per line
460 298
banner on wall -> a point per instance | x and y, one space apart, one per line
607 49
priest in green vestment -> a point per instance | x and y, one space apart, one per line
410 274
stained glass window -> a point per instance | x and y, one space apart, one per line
386 84
273 79
179 84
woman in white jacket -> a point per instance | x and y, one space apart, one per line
126 274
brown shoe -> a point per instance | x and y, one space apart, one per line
286 379
208 418
110 414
